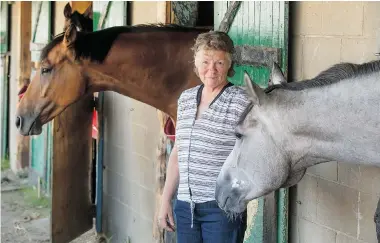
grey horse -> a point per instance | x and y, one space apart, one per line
291 126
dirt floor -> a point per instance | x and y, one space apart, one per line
24 216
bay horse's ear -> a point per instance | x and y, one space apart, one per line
70 35
277 77
88 12
255 93
67 11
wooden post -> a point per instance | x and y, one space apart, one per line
24 72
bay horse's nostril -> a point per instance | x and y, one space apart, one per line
18 122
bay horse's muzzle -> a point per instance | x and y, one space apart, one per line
29 126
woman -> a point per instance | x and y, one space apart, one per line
205 136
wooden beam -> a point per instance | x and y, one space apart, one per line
256 55
24 72
25 37
228 18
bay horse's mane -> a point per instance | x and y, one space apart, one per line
86 44
334 74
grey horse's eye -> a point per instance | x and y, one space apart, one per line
238 135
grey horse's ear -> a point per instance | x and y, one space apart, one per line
277 77
255 93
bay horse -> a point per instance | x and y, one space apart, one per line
149 63
292 126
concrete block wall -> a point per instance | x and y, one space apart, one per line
131 139
334 203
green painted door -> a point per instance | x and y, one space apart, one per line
40 146
261 24
4 87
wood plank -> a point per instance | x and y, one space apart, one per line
72 210
71 201
26 34
256 55
24 71
228 18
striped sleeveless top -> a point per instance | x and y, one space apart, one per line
204 144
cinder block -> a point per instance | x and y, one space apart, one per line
144 114
120 125
367 228
297 62
134 220
310 232
294 229
341 238
113 184
369 179
145 231
337 207
306 198
371 18
139 137
147 203
342 18
359 50
129 194
327 170
119 213
132 167
147 174
116 159
348 175
319 53
308 18
149 8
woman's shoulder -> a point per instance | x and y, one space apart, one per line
238 92
189 93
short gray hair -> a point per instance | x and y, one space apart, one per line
218 41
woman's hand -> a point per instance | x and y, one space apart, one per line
165 217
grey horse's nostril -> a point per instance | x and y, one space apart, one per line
18 122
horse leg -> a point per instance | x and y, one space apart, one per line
377 221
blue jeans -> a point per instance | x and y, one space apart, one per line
210 224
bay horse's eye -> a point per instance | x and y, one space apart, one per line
45 70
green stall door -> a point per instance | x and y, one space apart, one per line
261 24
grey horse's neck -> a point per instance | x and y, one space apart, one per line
335 122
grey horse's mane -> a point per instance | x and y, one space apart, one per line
332 75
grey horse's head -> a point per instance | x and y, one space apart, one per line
257 165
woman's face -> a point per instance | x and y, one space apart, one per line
212 67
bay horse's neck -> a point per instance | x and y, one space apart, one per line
151 67
336 122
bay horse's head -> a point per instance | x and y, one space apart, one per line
256 166
83 22
58 82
